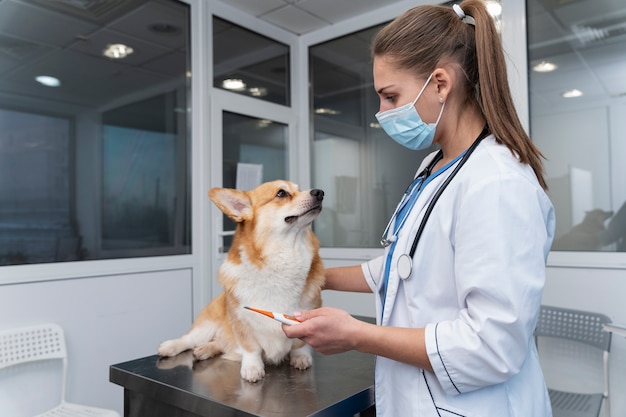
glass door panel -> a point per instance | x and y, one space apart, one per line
254 150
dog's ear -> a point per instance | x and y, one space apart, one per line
235 204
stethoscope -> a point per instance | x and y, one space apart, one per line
405 261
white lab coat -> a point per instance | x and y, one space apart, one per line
476 285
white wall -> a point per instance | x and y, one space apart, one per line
107 320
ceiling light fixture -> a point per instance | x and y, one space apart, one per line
326 110
494 8
117 51
48 81
545 66
573 93
258 91
234 84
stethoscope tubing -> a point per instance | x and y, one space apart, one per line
441 189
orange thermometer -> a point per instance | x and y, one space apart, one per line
283 318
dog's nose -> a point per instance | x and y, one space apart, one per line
319 194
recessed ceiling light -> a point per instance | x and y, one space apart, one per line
572 93
545 66
48 81
494 8
264 123
326 110
258 91
235 84
117 51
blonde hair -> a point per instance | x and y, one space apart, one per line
427 36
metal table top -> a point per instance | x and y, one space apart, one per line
336 385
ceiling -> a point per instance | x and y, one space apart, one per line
303 16
586 38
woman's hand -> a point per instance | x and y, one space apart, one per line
328 330
331 330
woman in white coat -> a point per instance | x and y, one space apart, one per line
459 286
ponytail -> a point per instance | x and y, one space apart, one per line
495 95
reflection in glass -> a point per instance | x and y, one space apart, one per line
247 63
577 79
94 165
143 178
139 188
362 171
35 211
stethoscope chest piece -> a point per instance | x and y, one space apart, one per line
405 266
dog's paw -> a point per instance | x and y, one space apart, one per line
301 360
205 351
301 357
252 366
252 373
169 348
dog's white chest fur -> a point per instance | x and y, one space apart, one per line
278 284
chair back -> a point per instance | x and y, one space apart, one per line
29 344
577 325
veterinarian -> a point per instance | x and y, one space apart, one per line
459 286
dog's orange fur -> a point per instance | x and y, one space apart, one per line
273 264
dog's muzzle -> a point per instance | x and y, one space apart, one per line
319 196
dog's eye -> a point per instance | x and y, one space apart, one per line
282 194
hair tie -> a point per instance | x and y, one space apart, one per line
465 18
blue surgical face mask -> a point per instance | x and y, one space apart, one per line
404 125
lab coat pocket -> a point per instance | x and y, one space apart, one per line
440 403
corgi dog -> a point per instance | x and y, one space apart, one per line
273 264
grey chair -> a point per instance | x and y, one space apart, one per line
40 343
579 328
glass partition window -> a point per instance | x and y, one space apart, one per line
362 171
577 79
248 63
94 136
35 191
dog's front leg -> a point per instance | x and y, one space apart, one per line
252 366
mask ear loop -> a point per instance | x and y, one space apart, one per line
423 88
420 94
443 105
440 113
